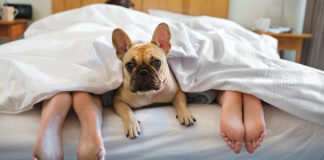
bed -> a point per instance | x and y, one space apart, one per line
288 137
294 130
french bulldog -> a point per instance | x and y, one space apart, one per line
147 79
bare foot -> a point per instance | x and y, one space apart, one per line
232 130
48 144
90 144
254 124
89 110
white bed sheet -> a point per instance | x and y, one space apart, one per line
163 138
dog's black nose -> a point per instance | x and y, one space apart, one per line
143 72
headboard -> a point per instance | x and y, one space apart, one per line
215 8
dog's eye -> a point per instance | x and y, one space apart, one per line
130 66
157 63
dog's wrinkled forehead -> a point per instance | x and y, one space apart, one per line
144 52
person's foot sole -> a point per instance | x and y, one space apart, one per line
254 124
231 128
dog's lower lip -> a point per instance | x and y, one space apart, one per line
145 89
156 88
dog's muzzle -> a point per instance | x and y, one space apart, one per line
144 80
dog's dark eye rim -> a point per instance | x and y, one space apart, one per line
156 63
130 65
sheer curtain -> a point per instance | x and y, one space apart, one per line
313 49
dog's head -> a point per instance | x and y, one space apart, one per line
145 66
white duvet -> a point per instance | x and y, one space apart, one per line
72 51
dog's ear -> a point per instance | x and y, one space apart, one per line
121 42
162 36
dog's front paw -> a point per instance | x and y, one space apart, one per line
132 128
186 118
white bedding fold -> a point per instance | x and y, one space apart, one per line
73 51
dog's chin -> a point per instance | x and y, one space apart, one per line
141 93
146 92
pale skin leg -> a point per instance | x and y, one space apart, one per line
132 127
231 124
254 124
88 107
49 143
184 116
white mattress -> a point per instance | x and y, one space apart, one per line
288 137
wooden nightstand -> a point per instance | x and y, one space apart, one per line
289 41
12 29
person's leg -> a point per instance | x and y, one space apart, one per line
88 107
49 144
231 126
254 124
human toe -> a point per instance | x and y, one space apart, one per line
249 147
238 147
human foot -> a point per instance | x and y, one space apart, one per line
90 145
232 130
48 144
88 107
254 124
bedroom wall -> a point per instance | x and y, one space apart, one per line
41 8
286 13
289 13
